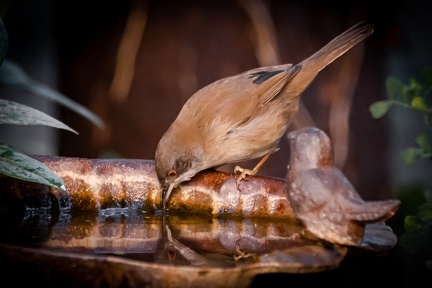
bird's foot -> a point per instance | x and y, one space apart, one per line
243 173
242 254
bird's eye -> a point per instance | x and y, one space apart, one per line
171 173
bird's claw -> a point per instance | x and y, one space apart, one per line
242 254
243 173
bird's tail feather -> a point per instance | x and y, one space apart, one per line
374 211
340 45
311 66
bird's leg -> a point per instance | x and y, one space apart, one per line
242 254
245 172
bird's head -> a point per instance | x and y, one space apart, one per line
174 166
310 146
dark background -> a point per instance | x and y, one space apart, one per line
72 47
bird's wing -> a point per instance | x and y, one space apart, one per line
322 184
272 82
312 187
333 182
239 96
339 183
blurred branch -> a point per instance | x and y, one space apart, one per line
266 48
341 102
127 51
265 42
13 76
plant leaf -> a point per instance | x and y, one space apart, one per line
424 142
411 241
414 224
426 76
12 75
410 91
21 166
393 87
380 108
410 155
428 195
19 114
419 104
425 212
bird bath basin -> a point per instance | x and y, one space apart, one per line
108 230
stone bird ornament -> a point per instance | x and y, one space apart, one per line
241 117
322 197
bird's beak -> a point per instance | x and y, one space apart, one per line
167 194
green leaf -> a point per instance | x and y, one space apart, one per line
19 114
426 78
418 103
411 241
21 166
380 108
4 41
428 264
393 87
424 142
414 224
410 155
410 91
12 75
425 211
428 195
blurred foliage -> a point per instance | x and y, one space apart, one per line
416 235
21 166
12 76
12 162
413 96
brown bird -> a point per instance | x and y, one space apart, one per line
322 197
241 117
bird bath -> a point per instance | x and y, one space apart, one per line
108 230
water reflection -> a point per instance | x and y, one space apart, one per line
129 233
